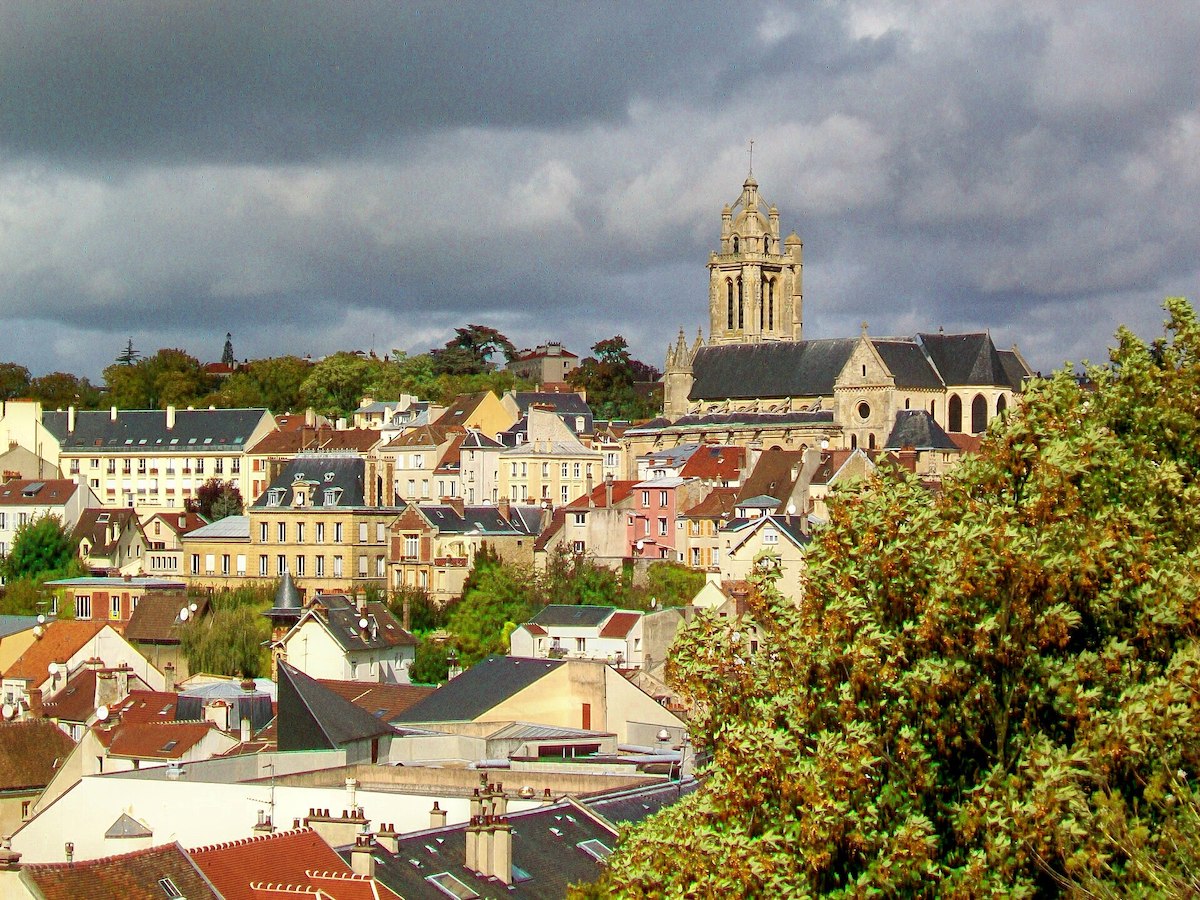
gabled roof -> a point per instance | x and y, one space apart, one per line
714 462
30 752
76 701
286 857
179 521
670 456
384 701
966 359
789 526
126 826
727 420
62 639
621 490
312 717
477 440
568 405
156 619
719 503
28 492
154 740
488 520
569 616
145 430
343 475
480 688
147 706
341 618
774 475
769 370
917 429
830 464
94 525
620 624
228 528
131 876
909 366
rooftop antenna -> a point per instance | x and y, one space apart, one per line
752 156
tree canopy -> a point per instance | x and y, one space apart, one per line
994 690
470 351
168 378
610 376
216 499
41 546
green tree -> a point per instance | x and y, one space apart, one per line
609 378
14 381
216 499
128 356
279 380
168 378
337 383
231 639
40 546
493 596
470 351
431 664
987 692
667 584
575 579
59 390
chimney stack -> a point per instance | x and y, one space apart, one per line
472 859
362 859
504 507
502 850
387 838
437 816
169 673
70 420
112 414
170 417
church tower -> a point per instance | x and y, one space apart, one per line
755 279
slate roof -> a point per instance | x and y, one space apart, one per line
479 689
917 429
30 752
908 364
635 804
230 527
16 624
1015 369
477 440
196 431
484 519
544 847
710 421
312 717
383 701
29 492
966 359
567 615
286 857
341 618
567 405
131 876
324 472
671 457
769 370
62 639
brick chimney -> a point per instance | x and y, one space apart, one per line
362 857
457 504
504 507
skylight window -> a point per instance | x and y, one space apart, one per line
168 887
169 746
451 886
595 849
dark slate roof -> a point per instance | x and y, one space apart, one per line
783 369
287 600
480 688
484 519
965 358
916 428
94 524
567 405
909 366
16 624
312 717
477 440
323 472
132 876
545 848
1015 370
30 753
341 616
635 804
734 420
196 431
573 616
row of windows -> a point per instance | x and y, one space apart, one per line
322 566
766 304
576 470
17 521
144 464
300 531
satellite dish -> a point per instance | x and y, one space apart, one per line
362 623
102 713
791 509
824 445
640 544
38 630
192 607
52 668
7 710
41 620
183 614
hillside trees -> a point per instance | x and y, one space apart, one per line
994 691
470 351
168 378
609 378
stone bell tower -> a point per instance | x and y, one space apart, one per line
755 279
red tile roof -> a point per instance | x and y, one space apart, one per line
619 624
62 639
715 463
22 492
383 700
282 858
76 701
599 496
132 876
147 706
30 752
154 740
719 502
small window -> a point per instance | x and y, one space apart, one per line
168 888
864 410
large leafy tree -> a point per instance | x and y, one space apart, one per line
992 691
470 351
14 381
609 377
336 384
232 638
58 390
216 499
40 546
168 378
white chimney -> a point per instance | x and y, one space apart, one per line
70 420
112 413
170 417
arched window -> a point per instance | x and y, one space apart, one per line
771 304
762 286
1001 404
766 243
933 410
741 306
907 402
871 441
729 298
954 414
735 243
978 414
854 442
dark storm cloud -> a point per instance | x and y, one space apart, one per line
319 176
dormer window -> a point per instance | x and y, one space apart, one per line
274 496
329 477
332 496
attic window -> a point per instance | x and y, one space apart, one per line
329 476
451 886
174 440
208 440
191 440
169 889
274 496
102 518
332 496
168 746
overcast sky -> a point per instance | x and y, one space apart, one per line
314 177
